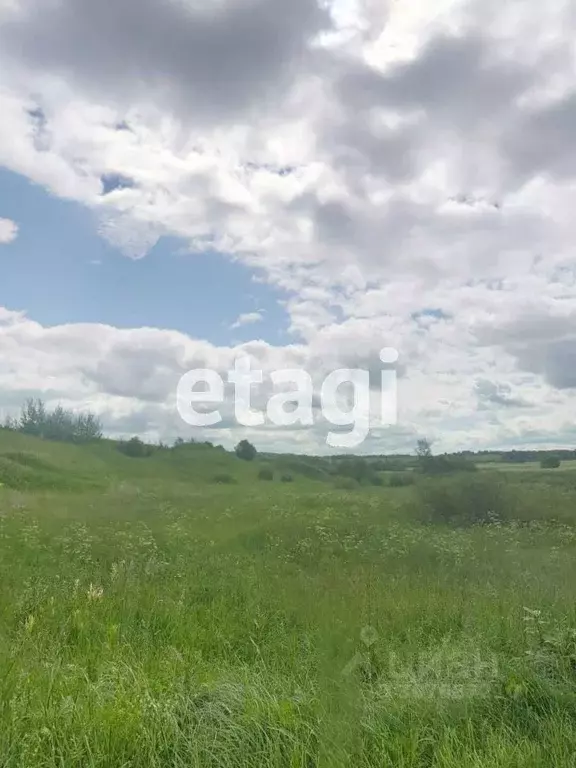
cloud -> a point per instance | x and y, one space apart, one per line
8 231
129 378
247 318
492 394
404 173
213 61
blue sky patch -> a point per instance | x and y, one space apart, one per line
60 271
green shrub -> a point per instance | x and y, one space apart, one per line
286 478
224 479
465 500
401 479
245 451
266 474
346 484
550 462
306 469
59 424
356 468
444 465
135 448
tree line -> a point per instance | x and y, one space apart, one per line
59 424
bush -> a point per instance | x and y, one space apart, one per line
245 451
287 478
60 424
428 464
223 479
306 469
356 468
550 462
444 465
266 474
346 484
465 500
135 448
401 480
375 480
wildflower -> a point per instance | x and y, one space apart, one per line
95 593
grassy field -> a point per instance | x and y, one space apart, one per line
153 617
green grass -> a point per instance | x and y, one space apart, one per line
149 617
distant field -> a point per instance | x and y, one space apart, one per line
153 614
523 466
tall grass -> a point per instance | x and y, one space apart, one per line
153 623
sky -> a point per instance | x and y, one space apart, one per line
307 183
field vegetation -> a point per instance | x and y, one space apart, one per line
152 615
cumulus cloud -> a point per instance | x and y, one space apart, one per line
248 318
129 378
8 231
493 394
211 61
405 172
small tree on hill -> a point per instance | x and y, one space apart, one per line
59 424
135 448
429 464
550 462
424 455
245 451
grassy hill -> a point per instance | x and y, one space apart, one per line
32 463
152 615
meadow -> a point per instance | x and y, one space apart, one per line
153 614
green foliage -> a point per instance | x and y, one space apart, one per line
245 451
135 448
346 484
401 479
287 478
266 474
466 500
305 469
360 470
59 424
159 620
550 462
428 464
223 479
27 471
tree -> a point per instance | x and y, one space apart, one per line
88 427
424 455
550 462
360 470
429 464
59 424
33 417
245 451
11 423
135 448
423 448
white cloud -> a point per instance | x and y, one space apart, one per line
372 163
248 318
8 231
129 377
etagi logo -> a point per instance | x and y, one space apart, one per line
298 395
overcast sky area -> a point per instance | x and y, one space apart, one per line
310 181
